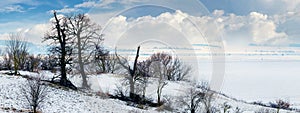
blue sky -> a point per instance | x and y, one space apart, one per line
238 22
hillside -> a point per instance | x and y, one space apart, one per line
65 100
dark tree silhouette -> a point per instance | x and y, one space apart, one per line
61 47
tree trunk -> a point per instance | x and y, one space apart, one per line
103 64
192 110
62 42
81 63
132 75
63 73
34 109
192 106
158 96
15 64
131 83
84 77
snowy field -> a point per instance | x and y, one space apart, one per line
68 101
59 101
263 80
259 80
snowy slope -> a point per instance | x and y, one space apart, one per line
59 101
68 101
173 90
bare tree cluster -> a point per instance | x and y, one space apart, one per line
160 66
33 63
76 42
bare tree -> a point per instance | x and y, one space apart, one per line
144 73
133 76
101 57
207 97
158 70
86 33
176 70
61 47
192 99
112 64
35 93
17 51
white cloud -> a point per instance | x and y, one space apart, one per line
33 34
11 2
292 5
67 9
12 8
177 29
237 30
218 13
91 4
4 36
87 4
106 3
7 6
285 5
36 33
264 30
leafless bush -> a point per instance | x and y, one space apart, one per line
35 93
226 107
199 94
168 103
238 110
120 91
280 104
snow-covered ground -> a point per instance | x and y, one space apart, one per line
258 80
59 100
68 101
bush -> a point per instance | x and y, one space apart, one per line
35 93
